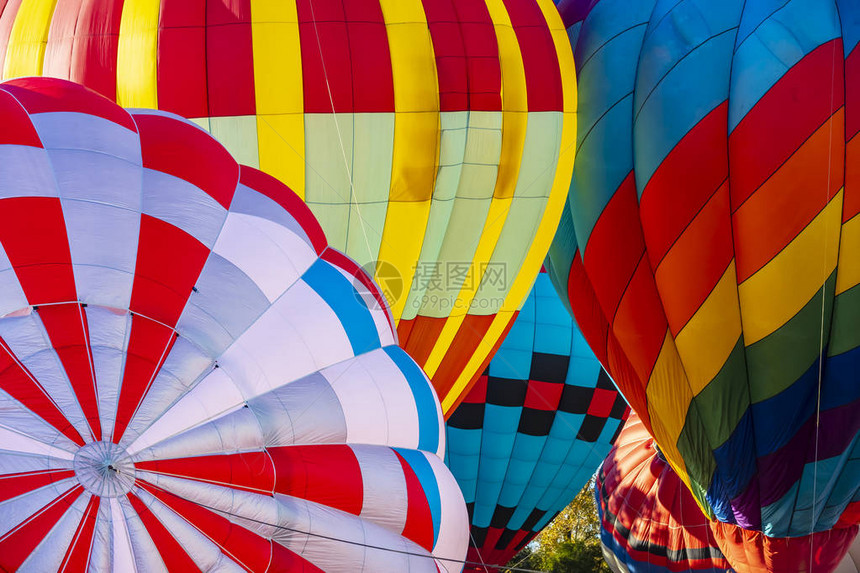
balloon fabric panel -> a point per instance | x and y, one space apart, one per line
418 130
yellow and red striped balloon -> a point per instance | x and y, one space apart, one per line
435 136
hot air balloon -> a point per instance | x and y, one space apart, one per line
432 139
649 521
710 253
533 430
191 379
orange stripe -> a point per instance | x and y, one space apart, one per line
696 261
790 199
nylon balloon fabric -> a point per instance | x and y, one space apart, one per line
192 379
710 248
533 429
432 139
649 521
851 562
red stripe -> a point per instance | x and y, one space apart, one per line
419 520
172 554
251 551
19 543
543 74
478 393
639 324
325 474
68 330
13 485
764 139
470 335
326 58
47 95
44 265
229 58
697 261
851 199
181 80
148 347
602 402
793 196
616 237
78 554
372 80
666 208
17 127
186 151
169 261
251 471
285 197
82 44
467 59
418 336
21 385
852 94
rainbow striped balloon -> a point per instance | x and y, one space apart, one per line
711 248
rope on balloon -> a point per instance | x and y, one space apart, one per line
369 546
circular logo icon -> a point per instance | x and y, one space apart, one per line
387 278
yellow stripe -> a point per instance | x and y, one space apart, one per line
514 124
524 280
416 137
711 335
137 54
25 52
775 293
848 275
279 91
514 100
669 398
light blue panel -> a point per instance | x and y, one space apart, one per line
524 457
462 456
428 414
777 44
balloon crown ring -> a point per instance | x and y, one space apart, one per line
104 469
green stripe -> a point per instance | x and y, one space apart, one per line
775 362
844 333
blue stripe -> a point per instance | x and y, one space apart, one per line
347 304
429 484
425 400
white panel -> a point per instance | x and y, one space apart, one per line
296 515
25 172
21 508
378 404
86 175
250 202
297 336
11 463
109 330
453 540
100 552
16 442
12 297
146 556
215 395
103 276
71 130
272 255
16 418
122 555
385 497
49 554
182 369
183 205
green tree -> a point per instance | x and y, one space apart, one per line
570 542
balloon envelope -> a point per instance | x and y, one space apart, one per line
534 428
431 138
192 379
649 522
710 246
